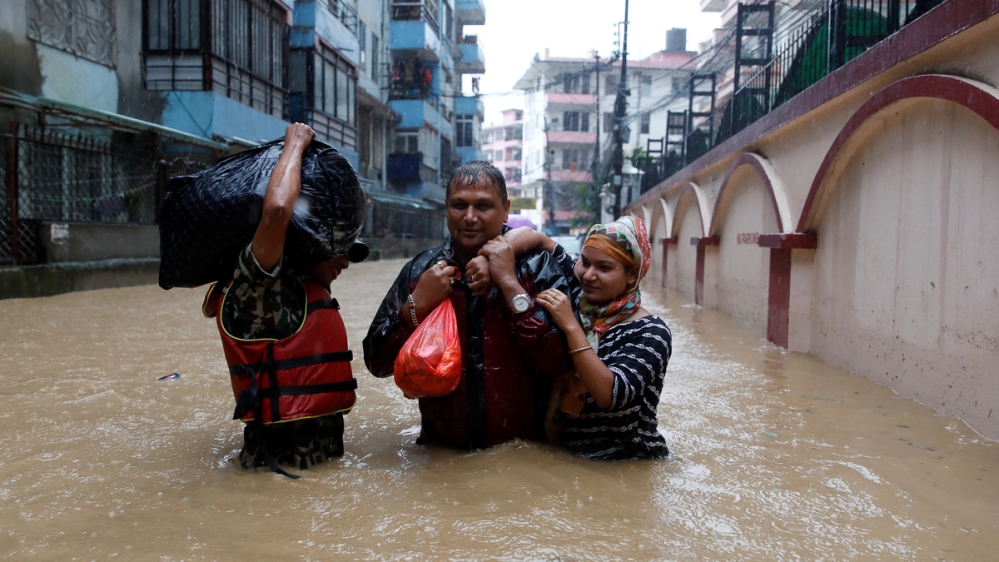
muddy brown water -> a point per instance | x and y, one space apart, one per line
777 456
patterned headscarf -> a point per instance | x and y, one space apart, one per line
632 249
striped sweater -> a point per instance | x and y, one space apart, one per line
637 353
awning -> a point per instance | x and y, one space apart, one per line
401 200
85 116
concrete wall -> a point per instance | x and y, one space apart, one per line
878 187
907 277
744 267
79 242
689 221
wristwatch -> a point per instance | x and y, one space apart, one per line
520 303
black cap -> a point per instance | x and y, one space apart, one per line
357 252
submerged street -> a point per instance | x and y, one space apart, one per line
775 456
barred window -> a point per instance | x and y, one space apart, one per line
336 86
239 49
84 28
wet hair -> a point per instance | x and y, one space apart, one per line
477 171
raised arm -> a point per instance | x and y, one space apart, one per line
524 240
280 198
596 376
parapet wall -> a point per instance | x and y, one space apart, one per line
857 221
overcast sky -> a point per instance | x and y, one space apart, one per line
517 29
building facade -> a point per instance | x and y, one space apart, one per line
568 120
381 81
503 145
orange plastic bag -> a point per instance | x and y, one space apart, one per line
429 363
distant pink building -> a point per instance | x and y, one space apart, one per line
503 145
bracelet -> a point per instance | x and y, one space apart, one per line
575 351
412 310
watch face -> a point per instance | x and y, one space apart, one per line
521 303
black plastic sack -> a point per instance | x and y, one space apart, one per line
208 218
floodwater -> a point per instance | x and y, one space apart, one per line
776 456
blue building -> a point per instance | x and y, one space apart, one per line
439 125
388 82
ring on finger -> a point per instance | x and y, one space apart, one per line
442 264
452 281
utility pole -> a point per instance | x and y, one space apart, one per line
620 107
596 145
547 193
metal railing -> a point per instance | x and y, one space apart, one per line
346 13
838 33
52 176
416 10
238 48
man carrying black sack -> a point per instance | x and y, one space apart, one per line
282 333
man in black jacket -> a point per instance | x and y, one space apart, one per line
510 348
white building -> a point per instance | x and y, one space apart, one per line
569 106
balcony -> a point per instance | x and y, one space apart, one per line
712 5
473 60
410 169
414 28
588 100
470 12
417 114
469 105
569 175
405 167
469 153
315 18
572 137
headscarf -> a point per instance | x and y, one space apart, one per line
627 241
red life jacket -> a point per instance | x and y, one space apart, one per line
304 375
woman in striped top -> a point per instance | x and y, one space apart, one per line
619 349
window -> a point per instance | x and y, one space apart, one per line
574 159
645 83
575 121
374 57
464 130
570 121
519 116
679 84
238 52
610 83
646 120
448 21
335 86
516 154
406 143
86 29
570 84
608 121
499 155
